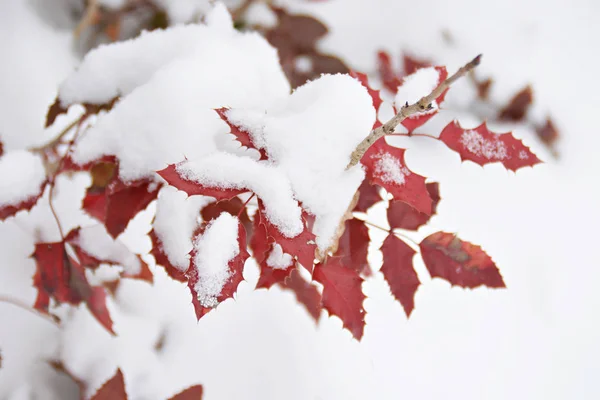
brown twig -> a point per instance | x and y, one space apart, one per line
424 104
17 303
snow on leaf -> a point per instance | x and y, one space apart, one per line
353 246
62 278
399 272
262 249
342 294
191 393
162 259
217 263
482 146
364 80
403 216
386 167
22 181
306 293
113 389
368 196
460 263
234 206
241 134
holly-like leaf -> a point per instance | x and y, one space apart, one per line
386 72
386 167
412 64
517 107
401 215
113 389
460 263
301 247
415 121
240 133
368 196
235 265
262 246
342 294
191 393
306 293
62 278
375 94
173 178
162 259
483 146
8 210
233 206
399 272
353 246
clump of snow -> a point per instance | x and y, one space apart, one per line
177 216
416 85
278 259
481 147
96 241
389 169
227 171
303 64
21 176
214 249
523 155
259 13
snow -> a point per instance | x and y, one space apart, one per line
22 175
177 216
227 171
278 259
112 4
417 85
214 249
96 241
390 169
260 14
478 145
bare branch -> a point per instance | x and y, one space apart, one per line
424 104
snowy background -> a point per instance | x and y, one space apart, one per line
535 340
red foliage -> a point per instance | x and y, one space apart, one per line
306 293
241 135
9 210
401 215
354 245
113 389
173 178
368 196
413 122
191 393
386 72
398 271
460 263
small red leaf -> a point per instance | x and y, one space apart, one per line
368 196
173 178
386 72
386 167
364 80
412 64
113 389
125 202
240 133
482 146
399 272
517 107
9 210
547 132
460 263
401 215
353 246
306 293
415 121
236 267
96 303
261 248
191 393
162 259
342 294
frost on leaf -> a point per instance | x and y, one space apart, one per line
401 215
217 263
460 263
191 393
353 247
241 134
62 278
306 293
399 272
482 146
22 181
113 389
386 167
342 294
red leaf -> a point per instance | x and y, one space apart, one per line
547 133
342 294
517 107
375 95
386 72
301 247
54 111
162 259
60 277
173 178
240 133
306 293
261 248
11 209
191 393
415 121
460 263
368 196
411 64
399 272
233 206
353 246
401 215
386 167
113 389
482 146
125 202
1 148
236 267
